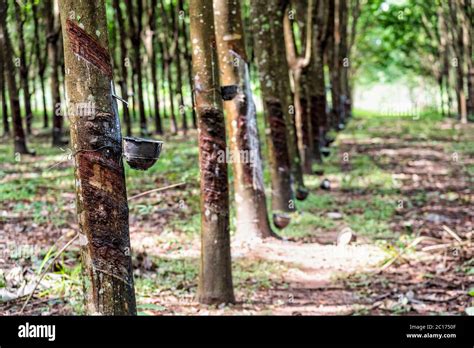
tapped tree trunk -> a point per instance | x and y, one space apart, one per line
19 140
298 67
41 59
168 52
154 72
3 101
136 28
187 58
179 77
458 31
53 32
123 66
317 84
344 60
24 82
252 214
102 208
334 40
263 15
467 22
215 276
281 66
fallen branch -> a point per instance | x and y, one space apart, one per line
156 190
452 233
449 299
46 270
445 246
399 254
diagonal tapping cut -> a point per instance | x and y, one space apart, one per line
86 47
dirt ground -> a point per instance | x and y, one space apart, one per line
424 266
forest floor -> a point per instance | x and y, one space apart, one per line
402 185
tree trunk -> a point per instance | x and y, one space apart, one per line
344 61
187 58
179 77
287 97
252 214
154 72
19 140
24 81
298 67
167 54
163 72
215 277
97 144
123 66
53 29
3 97
333 63
135 29
264 16
317 83
458 31
467 26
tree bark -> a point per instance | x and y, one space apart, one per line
123 66
24 68
317 83
264 15
467 26
215 277
333 63
154 72
19 139
135 28
298 67
96 143
3 98
187 58
179 77
53 29
288 99
252 214
344 60
41 59
168 52
458 43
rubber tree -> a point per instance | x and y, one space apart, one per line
19 140
3 101
458 44
343 59
179 71
317 90
123 66
20 16
96 142
215 275
466 12
41 55
332 55
135 27
297 65
281 65
187 58
169 51
53 30
274 106
241 116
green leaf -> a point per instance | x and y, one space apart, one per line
471 292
